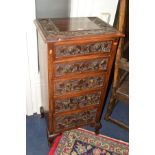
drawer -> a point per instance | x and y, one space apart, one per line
72 103
78 84
82 49
81 66
74 120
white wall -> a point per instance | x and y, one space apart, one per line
52 8
33 101
82 8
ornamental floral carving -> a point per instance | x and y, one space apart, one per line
72 103
53 33
90 48
62 87
81 66
72 120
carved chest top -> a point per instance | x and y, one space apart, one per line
58 29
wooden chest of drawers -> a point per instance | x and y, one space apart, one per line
75 59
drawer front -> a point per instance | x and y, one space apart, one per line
62 105
82 49
73 85
81 66
74 120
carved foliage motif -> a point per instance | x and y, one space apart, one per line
78 84
99 47
53 32
82 66
72 120
77 102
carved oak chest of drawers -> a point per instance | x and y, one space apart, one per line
75 60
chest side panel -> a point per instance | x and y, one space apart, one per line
43 70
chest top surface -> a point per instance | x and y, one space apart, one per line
57 29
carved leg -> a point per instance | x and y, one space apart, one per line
98 126
51 138
42 112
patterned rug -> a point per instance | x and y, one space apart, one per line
83 142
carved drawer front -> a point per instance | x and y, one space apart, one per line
74 120
81 66
62 87
73 103
82 49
